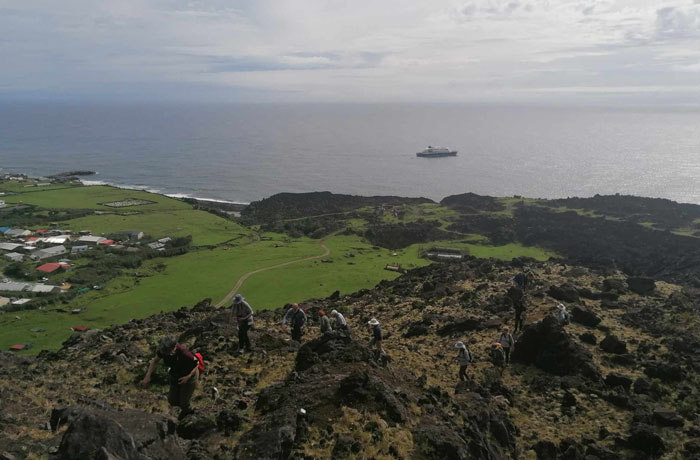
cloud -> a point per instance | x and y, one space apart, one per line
432 50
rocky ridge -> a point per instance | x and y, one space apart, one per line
619 381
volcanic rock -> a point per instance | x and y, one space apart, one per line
548 346
566 293
641 286
583 315
612 344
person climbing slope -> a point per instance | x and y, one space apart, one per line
242 311
325 322
463 359
297 319
183 373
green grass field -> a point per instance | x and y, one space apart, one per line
91 197
169 283
205 228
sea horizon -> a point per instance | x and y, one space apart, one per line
244 152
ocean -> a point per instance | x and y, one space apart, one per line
241 153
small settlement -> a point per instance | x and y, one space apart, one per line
49 252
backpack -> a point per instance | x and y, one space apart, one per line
200 363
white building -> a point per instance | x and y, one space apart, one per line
78 249
13 257
45 288
91 240
12 286
9 246
47 253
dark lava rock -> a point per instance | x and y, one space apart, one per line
692 447
642 386
345 446
465 325
416 330
548 346
618 380
334 347
441 442
612 344
668 372
588 337
362 388
568 400
614 285
641 286
667 417
583 315
644 438
195 426
127 435
618 397
567 292
229 422
546 450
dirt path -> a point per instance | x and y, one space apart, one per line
242 279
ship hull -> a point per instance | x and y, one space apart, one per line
437 155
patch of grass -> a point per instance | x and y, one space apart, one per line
315 278
90 197
205 228
186 280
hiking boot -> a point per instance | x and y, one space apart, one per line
185 412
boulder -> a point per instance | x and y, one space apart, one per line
334 347
641 286
615 285
127 435
618 380
612 344
416 330
464 325
642 386
361 388
438 441
667 372
585 316
549 347
588 337
667 417
195 426
567 292
546 450
644 438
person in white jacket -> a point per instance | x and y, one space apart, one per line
463 359
507 342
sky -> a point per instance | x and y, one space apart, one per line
495 51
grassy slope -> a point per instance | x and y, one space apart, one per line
91 197
205 228
186 280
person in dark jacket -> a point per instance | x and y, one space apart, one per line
244 320
183 373
376 339
498 358
325 322
297 319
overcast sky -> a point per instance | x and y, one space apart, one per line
636 51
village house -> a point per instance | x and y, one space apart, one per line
52 267
133 235
9 246
79 249
46 253
91 240
4 301
21 301
12 286
13 257
45 289
17 232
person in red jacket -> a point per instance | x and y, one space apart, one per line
183 373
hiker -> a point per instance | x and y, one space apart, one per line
183 373
340 322
376 339
244 319
297 318
325 322
497 357
507 342
562 314
463 359
524 280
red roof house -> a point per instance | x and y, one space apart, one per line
107 242
52 267
79 328
31 238
41 231
18 347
